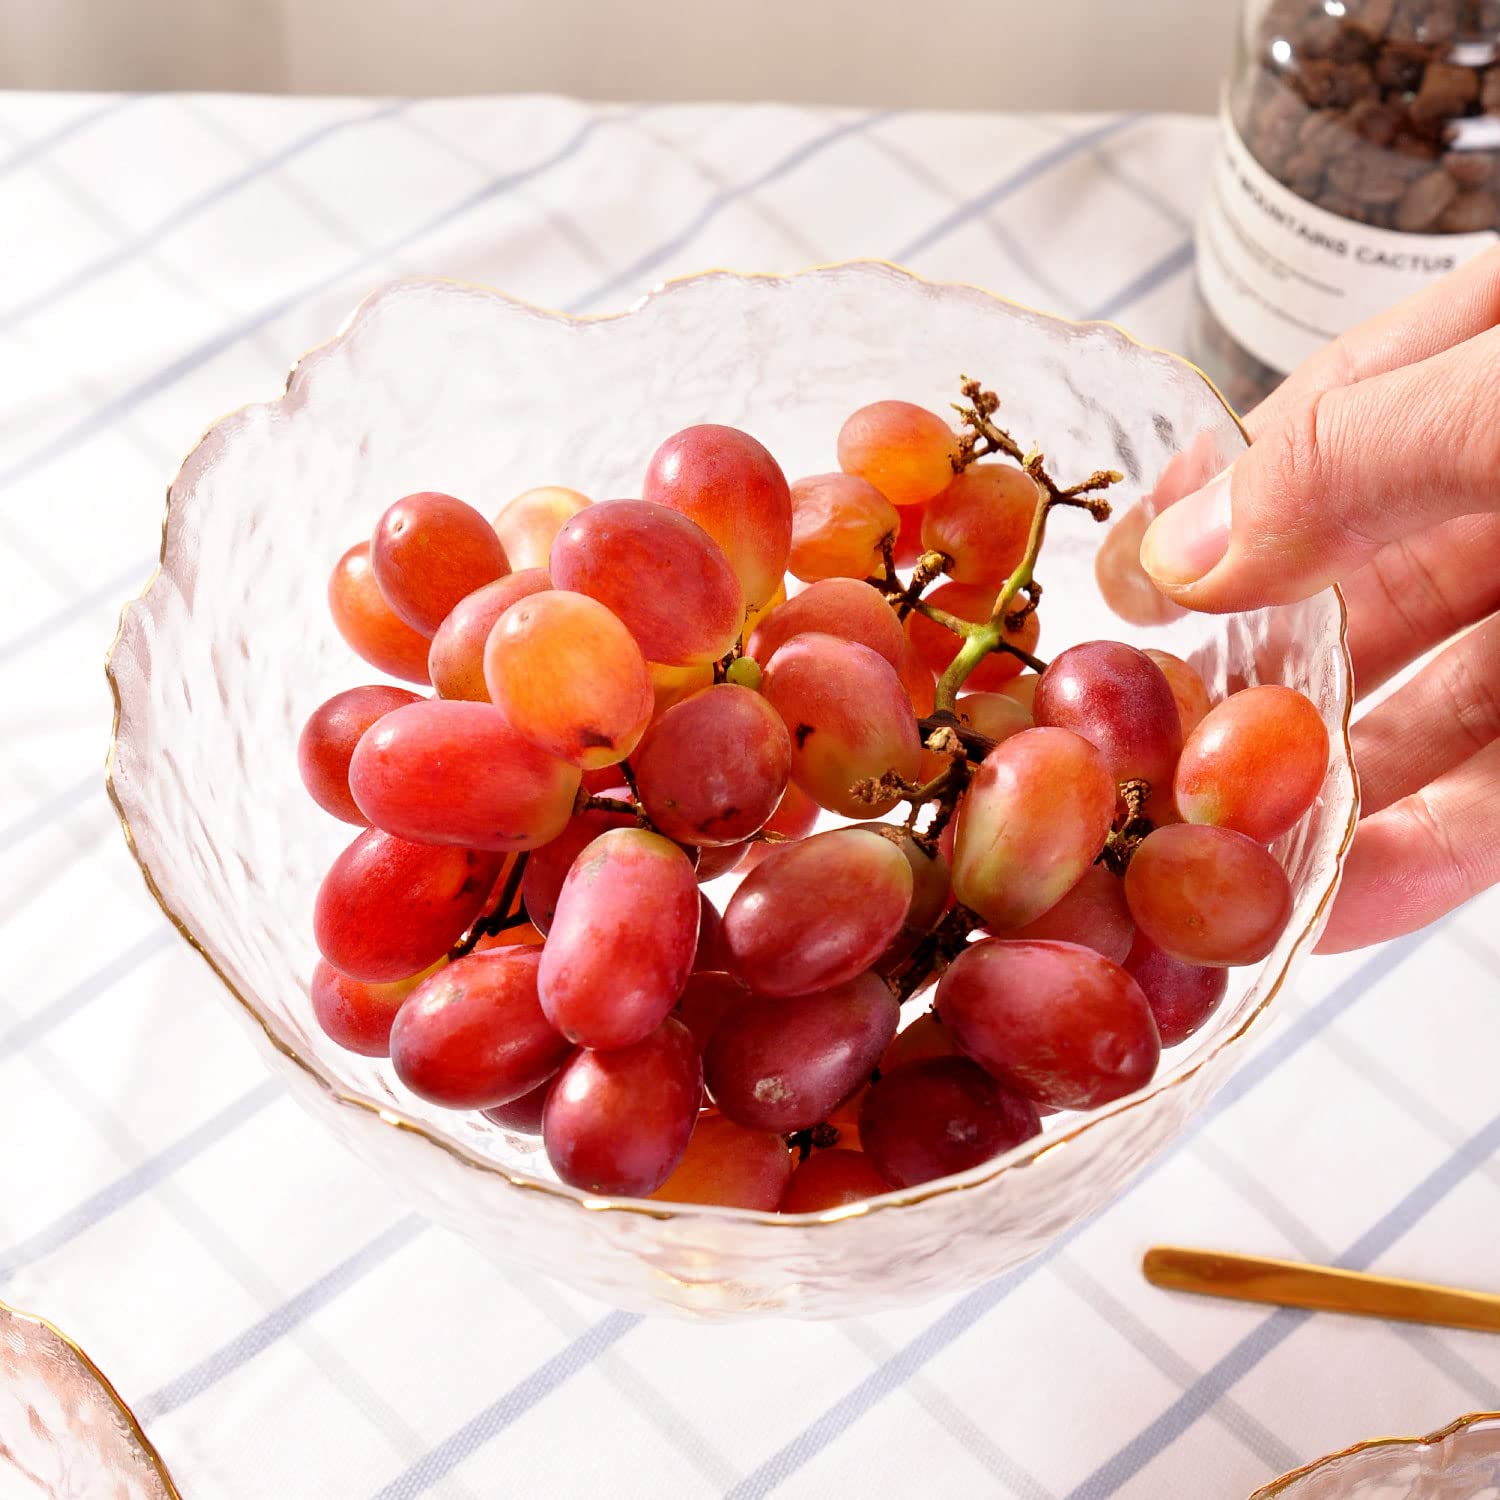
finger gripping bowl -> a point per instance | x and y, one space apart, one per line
440 386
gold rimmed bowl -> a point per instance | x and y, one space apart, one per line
1462 1462
434 385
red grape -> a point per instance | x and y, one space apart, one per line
818 912
660 572
523 1115
570 677
794 818
428 552
712 951
1181 996
730 485
1117 698
838 525
849 719
909 539
387 908
707 999
671 685
523 935
441 772
832 1179
455 661
1255 763
715 860
357 1015
845 607
930 892
925 1038
328 740
937 645
1023 690
917 678
931 1119
527 525
905 451
712 768
1125 585
728 1166
474 1035
368 624
548 866
982 520
621 944
618 1122
997 716
1033 820
1093 914
1058 1023
1208 896
784 1063
1188 690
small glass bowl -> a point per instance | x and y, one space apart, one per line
1462 1462
435 385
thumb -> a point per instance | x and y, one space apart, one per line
1336 476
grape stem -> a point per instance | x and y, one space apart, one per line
1126 837
592 801
499 917
934 953
971 631
930 565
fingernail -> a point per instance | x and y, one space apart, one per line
1189 539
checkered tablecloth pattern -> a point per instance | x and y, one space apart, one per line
282 1324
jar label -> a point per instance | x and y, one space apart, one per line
1284 276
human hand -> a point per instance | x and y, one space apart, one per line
1377 465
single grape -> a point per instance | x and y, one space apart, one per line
917 678
1208 896
712 952
818 912
388 908
428 552
905 451
709 996
358 1016
440 772
547 867
1033 820
1255 763
368 624
671 685
730 1167
328 739
838 525
713 767
843 1118
659 572
832 1179
931 891
1059 1024
844 607
523 1115
622 940
1093 914
1124 584
982 520
997 716
1188 690
1181 996
937 645
730 485
794 818
473 1035
909 539
528 524
570 677
784 1063
618 1122
925 1038
455 661
1118 699
1023 690
849 718
931 1119
715 860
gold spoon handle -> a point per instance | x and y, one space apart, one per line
1288 1283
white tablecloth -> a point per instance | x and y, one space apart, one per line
279 1320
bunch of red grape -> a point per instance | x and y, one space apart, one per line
625 702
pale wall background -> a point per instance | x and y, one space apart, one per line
1058 54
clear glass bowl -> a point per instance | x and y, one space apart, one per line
1462 1462
434 385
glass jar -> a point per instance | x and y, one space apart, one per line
1359 159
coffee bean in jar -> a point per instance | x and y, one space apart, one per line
1359 159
